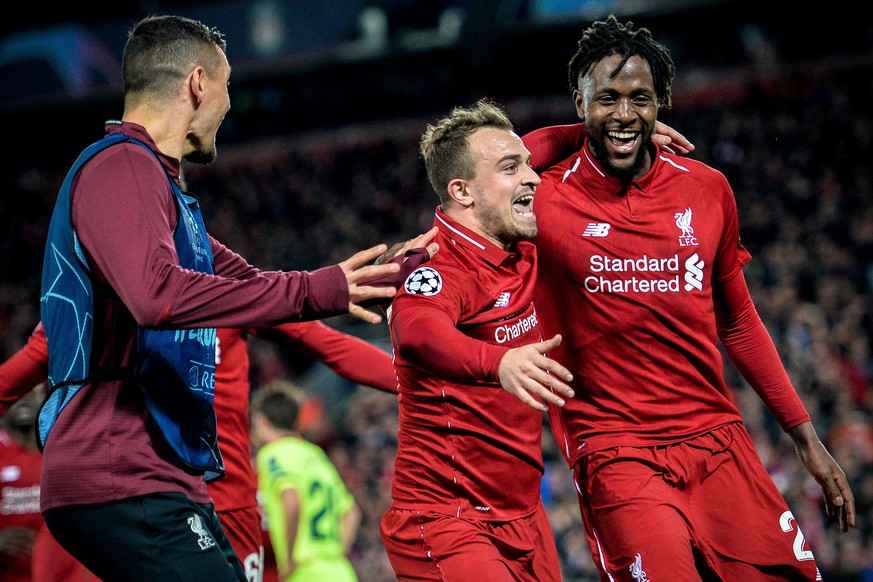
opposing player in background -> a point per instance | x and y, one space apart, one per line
312 518
474 378
641 274
235 495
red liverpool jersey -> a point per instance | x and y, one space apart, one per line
238 487
466 447
19 502
626 275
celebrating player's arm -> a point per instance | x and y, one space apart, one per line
818 462
549 145
526 371
358 272
408 256
751 349
24 370
348 356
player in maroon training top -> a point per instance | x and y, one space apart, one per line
641 274
234 495
473 375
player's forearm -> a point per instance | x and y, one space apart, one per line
444 350
549 145
347 355
804 435
751 349
18 376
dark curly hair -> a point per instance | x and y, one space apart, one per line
610 37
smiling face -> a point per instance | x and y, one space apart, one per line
620 108
502 190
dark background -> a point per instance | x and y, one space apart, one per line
318 158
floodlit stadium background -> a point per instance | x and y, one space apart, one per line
318 158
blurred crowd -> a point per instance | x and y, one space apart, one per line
797 153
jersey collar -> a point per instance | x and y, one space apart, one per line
134 130
459 235
592 172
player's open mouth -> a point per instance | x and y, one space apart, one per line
623 141
523 205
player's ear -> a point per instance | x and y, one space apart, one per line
460 192
195 84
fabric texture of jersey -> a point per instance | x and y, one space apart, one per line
626 276
643 280
467 447
294 463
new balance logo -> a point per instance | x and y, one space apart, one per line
502 300
598 229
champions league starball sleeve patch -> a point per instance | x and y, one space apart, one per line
423 281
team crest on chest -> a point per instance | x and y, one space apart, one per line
424 281
683 223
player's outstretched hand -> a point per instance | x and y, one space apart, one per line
535 378
818 462
359 270
421 241
409 255
671 140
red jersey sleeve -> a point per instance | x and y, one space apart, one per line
549 145
348 356
27 368
455 356
752 351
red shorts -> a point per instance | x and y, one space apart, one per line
659 513
51 562
243 528
433 546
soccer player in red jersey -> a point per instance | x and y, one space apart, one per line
20 520
19 377
641 274
234 495
474 379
